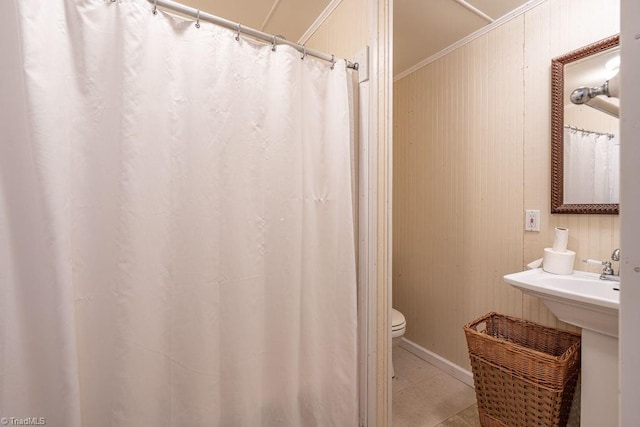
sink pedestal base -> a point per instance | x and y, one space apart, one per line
599 389
584 300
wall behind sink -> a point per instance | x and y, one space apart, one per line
471 153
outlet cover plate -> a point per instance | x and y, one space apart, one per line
532 220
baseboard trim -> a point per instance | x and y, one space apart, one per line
440 362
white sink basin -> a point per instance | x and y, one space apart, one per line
581 299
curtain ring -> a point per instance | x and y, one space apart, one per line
333 61
155 7
273 45
304 52
238 34
198 19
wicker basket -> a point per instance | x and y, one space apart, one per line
525 374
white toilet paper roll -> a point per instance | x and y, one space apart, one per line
560 239
558 262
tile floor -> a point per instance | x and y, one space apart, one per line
425 396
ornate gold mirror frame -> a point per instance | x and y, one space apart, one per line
557 130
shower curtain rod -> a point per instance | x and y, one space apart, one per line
275 40
575 128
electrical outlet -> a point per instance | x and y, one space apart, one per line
532 220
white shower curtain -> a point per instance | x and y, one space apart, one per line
592 168
176 224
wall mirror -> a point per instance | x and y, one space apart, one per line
585 145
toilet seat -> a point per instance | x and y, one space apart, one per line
398 323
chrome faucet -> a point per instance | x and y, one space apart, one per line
616 255
607 271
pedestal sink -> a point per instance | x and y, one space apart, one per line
584 300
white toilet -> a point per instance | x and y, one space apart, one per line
398 328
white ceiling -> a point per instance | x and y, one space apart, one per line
421 27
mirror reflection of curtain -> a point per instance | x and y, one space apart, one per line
592 172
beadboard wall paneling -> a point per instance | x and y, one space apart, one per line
345 32
591 119
471 153
458 189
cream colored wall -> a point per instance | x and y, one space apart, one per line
591 119
345 32
471 153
